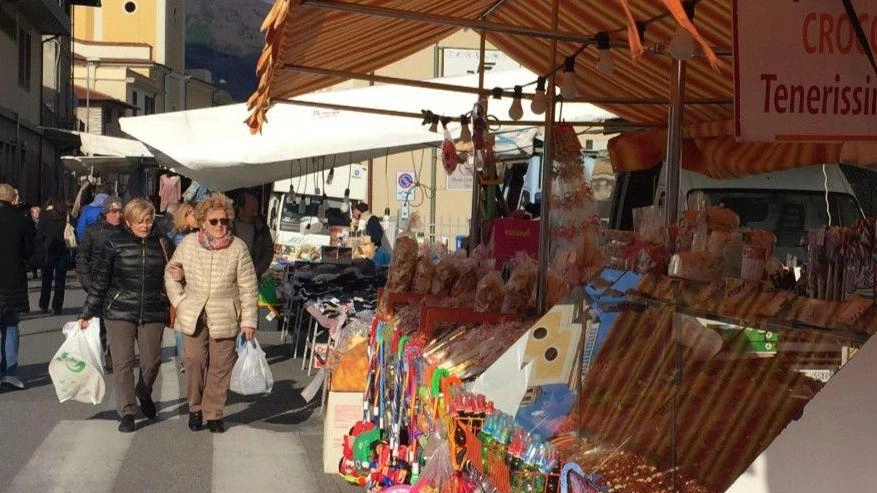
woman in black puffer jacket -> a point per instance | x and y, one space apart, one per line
127 290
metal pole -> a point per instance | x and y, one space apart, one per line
433 165
475 221
547 162
673 161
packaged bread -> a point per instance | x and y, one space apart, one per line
403 265
696 266
490 293
520 286
467 277
423 275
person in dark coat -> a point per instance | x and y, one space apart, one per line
127 291
16 247
56 260
88 252
36 262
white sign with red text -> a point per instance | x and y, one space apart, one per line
800 74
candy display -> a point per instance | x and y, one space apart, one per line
403 266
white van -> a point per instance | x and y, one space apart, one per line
789 203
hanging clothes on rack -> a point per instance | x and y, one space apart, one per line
196 192
169 191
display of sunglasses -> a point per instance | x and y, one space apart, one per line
213 222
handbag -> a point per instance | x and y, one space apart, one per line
172 312
70 236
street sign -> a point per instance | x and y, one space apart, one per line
405 186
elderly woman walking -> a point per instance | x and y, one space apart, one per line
127 290
217 300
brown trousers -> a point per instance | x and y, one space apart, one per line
208 364
121 336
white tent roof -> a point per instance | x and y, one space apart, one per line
215 147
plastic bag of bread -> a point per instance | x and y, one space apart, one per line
490 293
446 273
423 275
520 286
467 277
403 265
696 266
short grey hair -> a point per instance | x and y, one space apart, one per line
110 202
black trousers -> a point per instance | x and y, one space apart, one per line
54 270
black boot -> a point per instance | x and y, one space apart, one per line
216 426
196 421
126 423
148 408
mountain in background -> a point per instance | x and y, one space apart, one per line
223 36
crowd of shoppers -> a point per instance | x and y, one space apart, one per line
204 261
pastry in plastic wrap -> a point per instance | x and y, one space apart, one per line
520 286
424 275
403 265
696 266
490 293
467 277
446 273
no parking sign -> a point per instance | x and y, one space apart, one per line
405 183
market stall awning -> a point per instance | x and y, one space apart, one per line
365 35
103 164
307 34
214 148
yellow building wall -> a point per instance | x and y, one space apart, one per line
138 27
83 22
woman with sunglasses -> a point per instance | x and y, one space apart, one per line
217 300
127 291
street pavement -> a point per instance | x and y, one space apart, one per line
273 443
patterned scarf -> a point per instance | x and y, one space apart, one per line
214 244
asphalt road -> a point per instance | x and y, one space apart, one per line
273 443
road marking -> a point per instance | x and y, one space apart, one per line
249 459
76 456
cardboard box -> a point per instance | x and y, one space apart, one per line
343 410
513 235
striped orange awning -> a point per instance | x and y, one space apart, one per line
301 34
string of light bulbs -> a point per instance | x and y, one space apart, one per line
681 47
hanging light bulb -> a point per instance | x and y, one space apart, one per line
465 133
538 105
301 206
606 62
345 206
682 45
568 83
331 176
516 111
324 206
290 197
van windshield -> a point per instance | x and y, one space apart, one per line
790 214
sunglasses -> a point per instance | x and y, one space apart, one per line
112 211
223 221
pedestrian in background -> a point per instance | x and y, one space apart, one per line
89 251
16 247
184 223
35 263
217 301
250 227
127 290
91 213
56 257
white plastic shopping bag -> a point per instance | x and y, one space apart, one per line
251 374
76 369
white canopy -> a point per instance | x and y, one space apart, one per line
215 147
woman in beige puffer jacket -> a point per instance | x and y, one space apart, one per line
217 299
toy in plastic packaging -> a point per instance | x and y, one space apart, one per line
251 374
490 293
424 274
76 370
403 265
519 288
